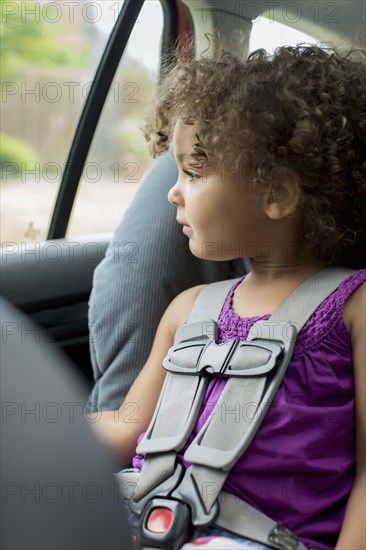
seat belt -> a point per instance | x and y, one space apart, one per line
254 369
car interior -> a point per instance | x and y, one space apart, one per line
55 293
50 280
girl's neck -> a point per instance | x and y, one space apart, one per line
269 284
297 269
286 262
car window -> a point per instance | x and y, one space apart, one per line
119 157
50 52
269 34
291 23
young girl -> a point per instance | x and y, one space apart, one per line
271 156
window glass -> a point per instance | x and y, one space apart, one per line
119 157
50 52
270 34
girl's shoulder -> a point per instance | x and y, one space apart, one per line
189 295
354 302
337 314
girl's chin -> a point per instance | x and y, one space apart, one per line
210 251
202 251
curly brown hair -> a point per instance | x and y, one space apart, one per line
301 110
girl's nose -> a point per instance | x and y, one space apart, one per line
175 195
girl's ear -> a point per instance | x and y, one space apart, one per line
284 201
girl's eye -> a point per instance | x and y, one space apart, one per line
192 175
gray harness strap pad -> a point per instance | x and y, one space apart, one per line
216 449
241 518
182 397
232 427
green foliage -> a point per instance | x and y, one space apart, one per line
32 39
132 141
15 151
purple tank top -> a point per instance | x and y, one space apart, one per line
300 466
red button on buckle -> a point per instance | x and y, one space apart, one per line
159 520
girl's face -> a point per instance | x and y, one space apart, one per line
221 217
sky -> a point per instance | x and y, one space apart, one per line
144 42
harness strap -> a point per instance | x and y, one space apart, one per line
223 430
216 449
242 519
182 397
208 304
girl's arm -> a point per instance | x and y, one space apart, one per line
120 429
353 532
